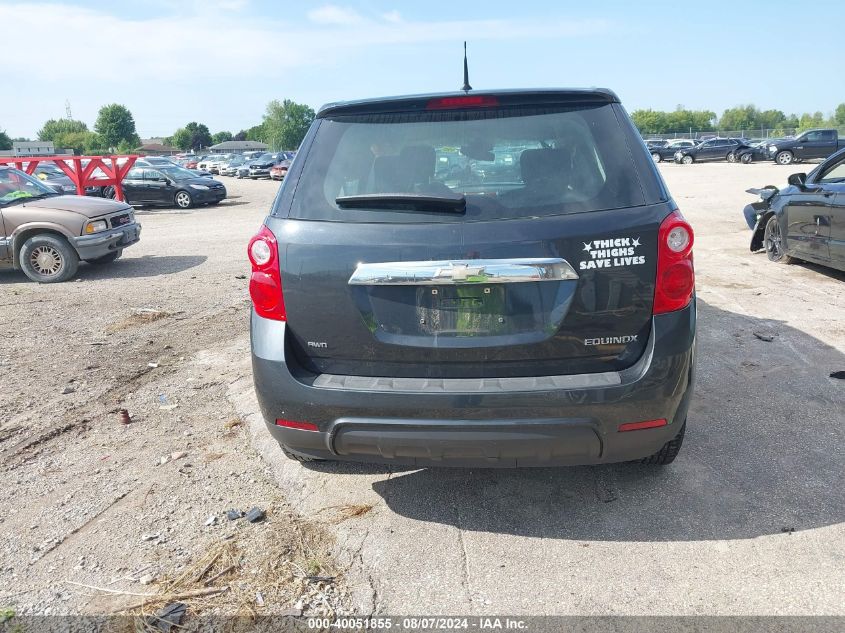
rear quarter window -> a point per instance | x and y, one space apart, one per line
509 163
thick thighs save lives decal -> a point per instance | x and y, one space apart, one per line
613 253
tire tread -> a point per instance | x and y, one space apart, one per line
297 458
667 454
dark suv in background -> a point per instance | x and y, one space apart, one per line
710 150
531 305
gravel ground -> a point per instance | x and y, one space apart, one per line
90 500
703 536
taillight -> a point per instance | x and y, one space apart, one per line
265 283
639 426
294 424
470 101
675 281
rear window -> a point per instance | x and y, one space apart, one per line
508 163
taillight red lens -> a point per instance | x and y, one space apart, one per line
265 283
293 424
639 426
675 283
452 103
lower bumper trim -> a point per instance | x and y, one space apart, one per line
466 440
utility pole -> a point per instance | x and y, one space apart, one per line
67 110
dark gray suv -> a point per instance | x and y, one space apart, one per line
468 279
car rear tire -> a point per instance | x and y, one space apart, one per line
731 157
298 458
109 192
745 159
667 454
784 158
106 259
656 157
183 200
687 160
48 259
773 243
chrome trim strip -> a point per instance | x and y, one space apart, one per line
463 271
467 385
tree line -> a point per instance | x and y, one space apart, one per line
283 126
114 130
286 122
739 118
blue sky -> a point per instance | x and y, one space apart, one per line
220 61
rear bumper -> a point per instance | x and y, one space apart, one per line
450 423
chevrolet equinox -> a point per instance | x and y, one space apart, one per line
474 279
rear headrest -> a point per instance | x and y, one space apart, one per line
538 165
412 169
387 174
418 161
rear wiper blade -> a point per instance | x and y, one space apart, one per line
404 202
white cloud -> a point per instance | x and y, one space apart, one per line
392 16
331 14
225 5
218 45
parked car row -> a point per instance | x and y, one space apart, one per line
811 145
170 186
272 165
252 165
49 230
170 180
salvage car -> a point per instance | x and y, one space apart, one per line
242 170
279 170
806 219
546 319
666 152
171 186
755 151
231 167
260 167
46 234
811 145
709 150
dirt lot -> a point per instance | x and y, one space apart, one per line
749 520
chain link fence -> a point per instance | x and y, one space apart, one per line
759 133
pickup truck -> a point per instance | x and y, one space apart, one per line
47 234
812 144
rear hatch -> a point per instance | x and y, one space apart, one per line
445 238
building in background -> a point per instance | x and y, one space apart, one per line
155 147
238 146
34 148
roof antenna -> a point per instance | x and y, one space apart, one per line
466 87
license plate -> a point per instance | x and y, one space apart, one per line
464 310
